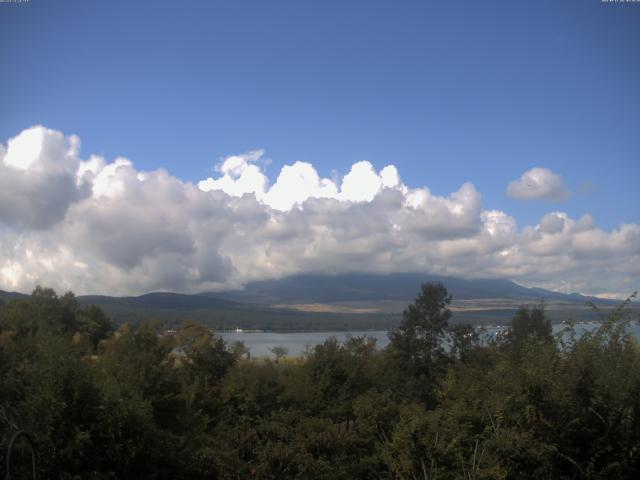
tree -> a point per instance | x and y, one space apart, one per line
208 355
530 325
240 350
464 339
92 321
279 352
416 344
424 324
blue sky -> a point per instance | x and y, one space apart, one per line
447 91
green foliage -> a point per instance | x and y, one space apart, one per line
465 340
279 352
424 323
139 403
529 325
416 345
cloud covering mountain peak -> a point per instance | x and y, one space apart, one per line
96 226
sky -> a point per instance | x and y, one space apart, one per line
483 139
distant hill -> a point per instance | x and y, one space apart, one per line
161 300
224 314
360 288
336 302
7 296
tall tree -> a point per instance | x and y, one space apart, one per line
416 345
530 325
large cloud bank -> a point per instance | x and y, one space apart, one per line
95 226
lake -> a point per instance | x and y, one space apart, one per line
261 343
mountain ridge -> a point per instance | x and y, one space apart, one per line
335 302
395 286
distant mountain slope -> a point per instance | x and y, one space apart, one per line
174 308
7 296
162 300
335 302
356 287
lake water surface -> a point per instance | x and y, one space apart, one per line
261 343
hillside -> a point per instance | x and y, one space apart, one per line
8 296
392 292
224 314
339 302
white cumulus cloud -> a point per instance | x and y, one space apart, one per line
240 175
538 183
298 182
99 226
38 178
